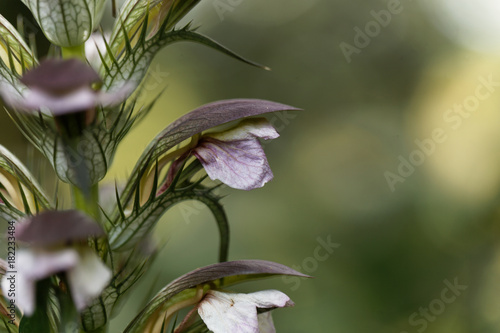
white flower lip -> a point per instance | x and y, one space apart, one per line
82 99
50 235
88 279
237 313
87 275
34 266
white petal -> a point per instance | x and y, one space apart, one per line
34 266
88 279
266 299
227 313
247 129
37 264
22 292
237 313
80 100
93 46
266 324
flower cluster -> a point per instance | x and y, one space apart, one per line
77 258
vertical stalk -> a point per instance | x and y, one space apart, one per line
74 52
87 203
90 205
69 314
103 329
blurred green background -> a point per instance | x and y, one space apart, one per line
397 247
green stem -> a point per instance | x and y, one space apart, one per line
74 52
87 203
69 315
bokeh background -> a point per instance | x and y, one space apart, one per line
376 80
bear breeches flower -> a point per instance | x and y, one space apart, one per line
54 246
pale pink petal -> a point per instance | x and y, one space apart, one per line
50 228
236 157
62 87
57 76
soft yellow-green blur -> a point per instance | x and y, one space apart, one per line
400 237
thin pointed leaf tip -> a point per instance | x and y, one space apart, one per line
150 16
15 55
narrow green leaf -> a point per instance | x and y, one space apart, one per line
127 233
11 42
92 154
147 15
197 327
186 35
220 216
8 328
119 205
15 57
26 205
131 268
133 61
25 184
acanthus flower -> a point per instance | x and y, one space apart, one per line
57 245
239 313
234 156
63 88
